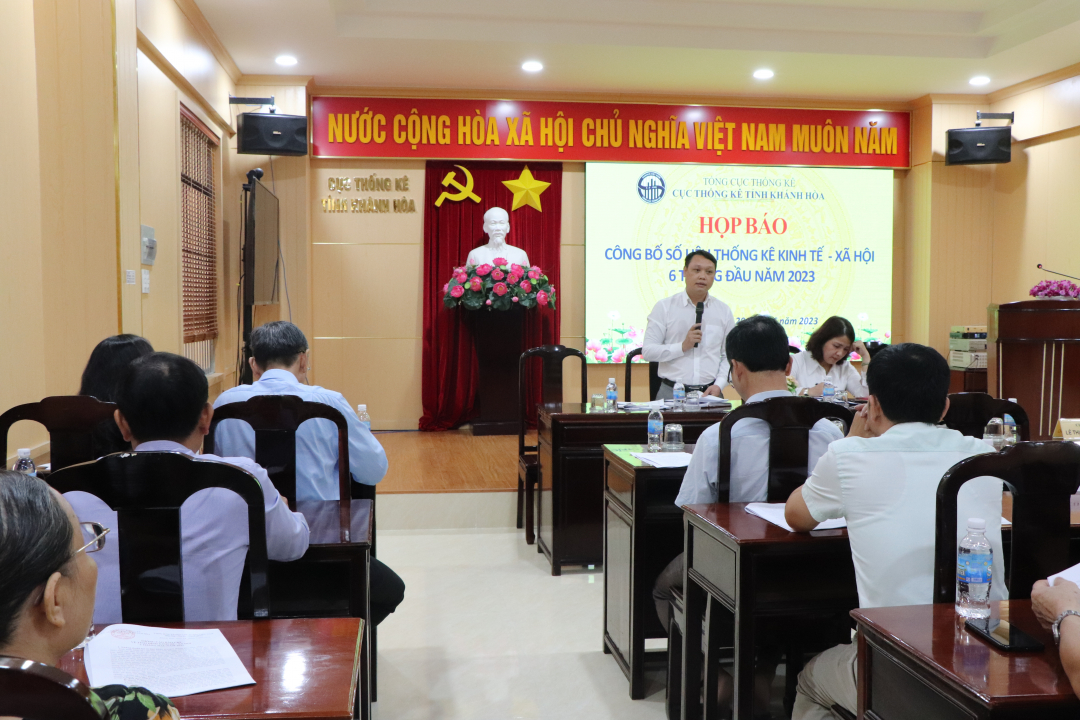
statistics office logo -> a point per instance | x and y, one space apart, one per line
651 187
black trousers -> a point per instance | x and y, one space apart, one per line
387 591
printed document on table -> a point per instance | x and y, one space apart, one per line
1071 574
774 513
167 661
664 459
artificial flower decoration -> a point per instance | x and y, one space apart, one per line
498 287
1055 288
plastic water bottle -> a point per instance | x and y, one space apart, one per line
365 419
24 464
1010 430
678 394
611 396
994 434
656 430
974 564
828 392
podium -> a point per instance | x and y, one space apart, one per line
1033 355
498 336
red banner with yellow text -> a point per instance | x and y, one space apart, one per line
611 132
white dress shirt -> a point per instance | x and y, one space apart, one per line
213 543
808 372
886 487
316 440
669 321
749 458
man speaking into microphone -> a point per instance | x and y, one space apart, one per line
686 332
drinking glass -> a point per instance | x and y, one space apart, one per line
598 403
673 438
693 401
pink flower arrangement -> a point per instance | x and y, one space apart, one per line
1055 288
501 261
498 287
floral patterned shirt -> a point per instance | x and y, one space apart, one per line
118 702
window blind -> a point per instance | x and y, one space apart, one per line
198 230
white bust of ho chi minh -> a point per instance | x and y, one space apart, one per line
497 227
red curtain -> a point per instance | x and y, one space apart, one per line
449 373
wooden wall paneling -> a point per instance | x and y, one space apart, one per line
383 373
76 117
917 270
901 248
182 45
962 251
128 185
160 198
22 290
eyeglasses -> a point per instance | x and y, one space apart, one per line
96 533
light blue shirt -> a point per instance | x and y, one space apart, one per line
749 458
316 440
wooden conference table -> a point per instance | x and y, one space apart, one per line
302 667
642 534
570 494
917 662
332 579
738 564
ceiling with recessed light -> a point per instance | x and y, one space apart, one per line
887 50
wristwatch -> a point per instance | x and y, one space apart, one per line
1056 627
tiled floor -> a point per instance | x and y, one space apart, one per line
486 633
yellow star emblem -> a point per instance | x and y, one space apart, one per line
526 190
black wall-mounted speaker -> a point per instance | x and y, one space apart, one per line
271 134
979 146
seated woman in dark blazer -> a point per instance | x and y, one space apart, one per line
47 586
103 371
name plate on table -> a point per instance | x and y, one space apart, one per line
1067 429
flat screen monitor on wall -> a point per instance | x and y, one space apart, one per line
796 243
261 246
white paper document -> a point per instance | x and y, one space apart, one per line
664 459
167 661
651 405
1071 574
774 513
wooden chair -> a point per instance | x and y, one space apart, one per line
275 419
1041 477
146 489
70 420
790 420
654 375
31 689
551 391
969 413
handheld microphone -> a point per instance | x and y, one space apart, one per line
700 311
1052 272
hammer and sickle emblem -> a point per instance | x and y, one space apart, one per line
464 191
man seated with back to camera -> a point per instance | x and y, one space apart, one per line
883 478
162 406
279 366
757 348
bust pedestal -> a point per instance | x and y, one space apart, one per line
498 337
